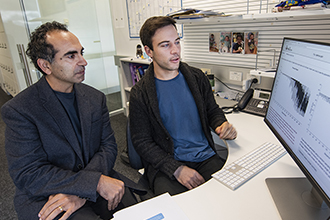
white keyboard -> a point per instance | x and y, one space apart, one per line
240 171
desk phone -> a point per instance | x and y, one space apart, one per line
258 104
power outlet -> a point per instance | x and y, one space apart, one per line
258 78
235 76
255 76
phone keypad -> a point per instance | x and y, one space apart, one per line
256 106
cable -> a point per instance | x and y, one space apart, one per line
234 108
254 80
228 86
228 109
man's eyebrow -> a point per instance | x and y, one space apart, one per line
70 52
163 42
73 52
167 41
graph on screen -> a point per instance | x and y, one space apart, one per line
317 117
300 96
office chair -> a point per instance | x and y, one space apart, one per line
134 158
135 162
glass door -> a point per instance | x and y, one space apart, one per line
90 21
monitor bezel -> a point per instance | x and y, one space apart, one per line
320 191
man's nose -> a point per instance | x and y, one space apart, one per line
82 61
175 49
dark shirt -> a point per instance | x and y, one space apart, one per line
69 103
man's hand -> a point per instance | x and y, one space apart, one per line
188 177
60 203
226 131
111 190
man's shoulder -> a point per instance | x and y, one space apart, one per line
26 94
90 94
184 67
143 83
86 87
26 100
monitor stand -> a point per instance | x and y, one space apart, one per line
294 199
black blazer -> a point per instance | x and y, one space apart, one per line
43 152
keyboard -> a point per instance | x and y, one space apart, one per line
240 171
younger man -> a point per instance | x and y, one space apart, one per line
172 109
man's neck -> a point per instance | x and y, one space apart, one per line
59 87
165 74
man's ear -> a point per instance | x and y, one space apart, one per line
148 51
44 65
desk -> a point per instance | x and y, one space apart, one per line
213 200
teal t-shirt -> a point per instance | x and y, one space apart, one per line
180 116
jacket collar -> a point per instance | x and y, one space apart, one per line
57 112
152 93
85 116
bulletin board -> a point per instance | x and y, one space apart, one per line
140 10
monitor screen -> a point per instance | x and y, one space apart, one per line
299 108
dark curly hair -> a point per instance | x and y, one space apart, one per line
151 25
38 46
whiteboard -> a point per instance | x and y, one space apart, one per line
140 10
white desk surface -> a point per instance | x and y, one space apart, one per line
213 200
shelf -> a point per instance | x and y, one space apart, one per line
135 60
263 16
214 19
289 14
126 81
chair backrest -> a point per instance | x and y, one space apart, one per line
134 158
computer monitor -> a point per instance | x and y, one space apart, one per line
299 116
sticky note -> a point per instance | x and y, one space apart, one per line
157 217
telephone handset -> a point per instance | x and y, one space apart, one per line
254 101
245 99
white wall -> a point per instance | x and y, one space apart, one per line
90 20
272 28
125 46
14 28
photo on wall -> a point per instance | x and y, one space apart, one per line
214 40
251 42
225 42
238 42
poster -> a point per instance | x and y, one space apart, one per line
214 40
140 10
225 42
238 42
251 42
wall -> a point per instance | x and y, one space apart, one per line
15 31
272 28
232 7
91 23
125 46
247 16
